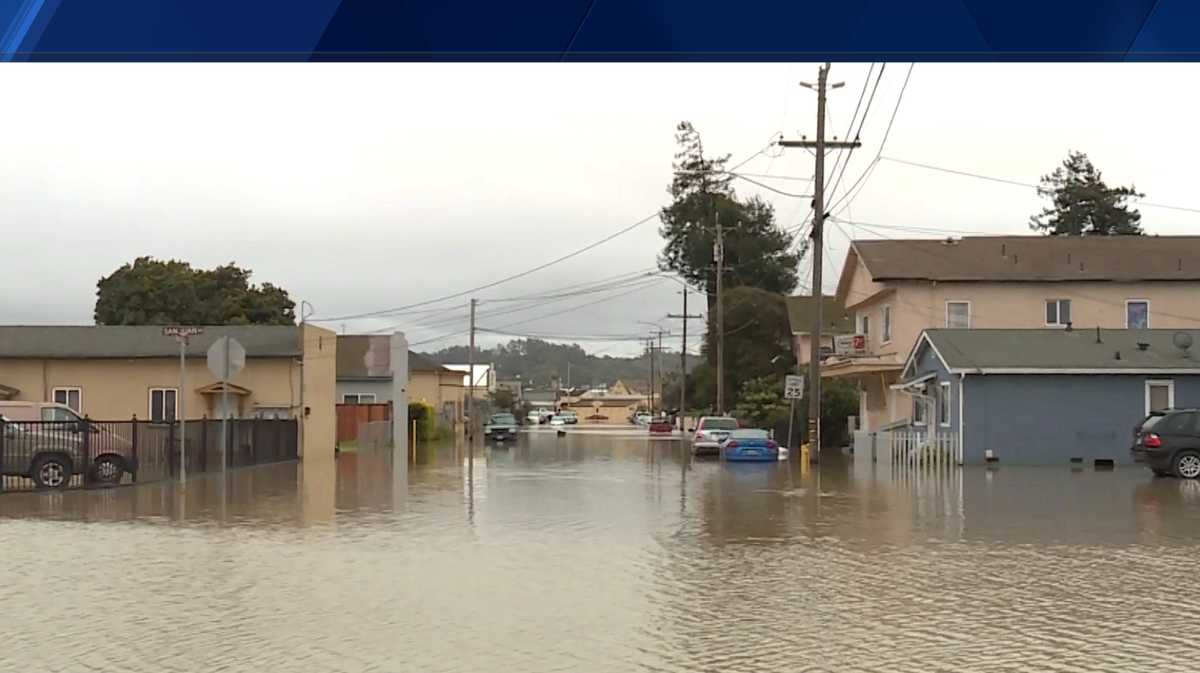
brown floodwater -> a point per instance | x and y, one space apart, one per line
601 553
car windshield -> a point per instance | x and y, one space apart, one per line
718 424
503 418
749 434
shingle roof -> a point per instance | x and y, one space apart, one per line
1033 258
833 315
1059 349
118 341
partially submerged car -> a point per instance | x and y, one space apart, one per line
49 443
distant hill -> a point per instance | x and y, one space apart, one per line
539 362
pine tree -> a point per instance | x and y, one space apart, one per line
1082 204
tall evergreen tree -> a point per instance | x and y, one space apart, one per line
1082 204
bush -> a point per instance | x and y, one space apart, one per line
426 420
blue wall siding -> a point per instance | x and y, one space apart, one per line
1049 419
925 362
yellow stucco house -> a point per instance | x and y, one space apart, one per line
119 372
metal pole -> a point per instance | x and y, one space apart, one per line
720 255
471 393
182 408
225 407
791 422
683 369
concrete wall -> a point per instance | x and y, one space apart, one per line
318 427
1048 419
113 389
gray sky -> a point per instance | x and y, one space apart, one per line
360 187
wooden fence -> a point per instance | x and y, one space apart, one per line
351 416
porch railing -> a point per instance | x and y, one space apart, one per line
940 449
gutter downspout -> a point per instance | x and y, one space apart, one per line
962 439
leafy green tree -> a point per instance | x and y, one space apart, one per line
758 338
155 292
757 251
1082 204
761 402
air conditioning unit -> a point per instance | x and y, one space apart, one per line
850 344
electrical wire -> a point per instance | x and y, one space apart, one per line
857 134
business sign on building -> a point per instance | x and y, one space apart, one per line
850 344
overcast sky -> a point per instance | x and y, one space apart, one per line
360 187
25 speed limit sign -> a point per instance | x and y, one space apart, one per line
793 387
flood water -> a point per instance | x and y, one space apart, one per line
593 552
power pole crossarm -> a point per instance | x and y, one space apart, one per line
820 147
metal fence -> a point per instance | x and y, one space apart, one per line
73 454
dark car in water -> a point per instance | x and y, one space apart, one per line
500 427
1169 443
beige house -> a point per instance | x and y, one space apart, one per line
894 289
611 406
118 372
834 318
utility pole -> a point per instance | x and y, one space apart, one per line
820 146
719 254
683 361
471 393
651 342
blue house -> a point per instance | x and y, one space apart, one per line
1047 396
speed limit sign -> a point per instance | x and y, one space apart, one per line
793 387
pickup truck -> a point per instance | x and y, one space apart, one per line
500 427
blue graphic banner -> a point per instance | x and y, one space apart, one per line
598 30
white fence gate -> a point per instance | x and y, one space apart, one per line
922 449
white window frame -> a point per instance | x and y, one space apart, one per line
944 404
68 390
885 324
1137 301
918 402
958 301
864 325
150 404
1057 312
359 397
1170 386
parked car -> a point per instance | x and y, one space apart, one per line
49 443
500 427
557 420
749 445
661 425
1169 444
569 417
709 433
640 418
533 418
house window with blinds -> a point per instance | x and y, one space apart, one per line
958 314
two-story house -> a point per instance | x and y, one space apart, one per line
895 289
834 319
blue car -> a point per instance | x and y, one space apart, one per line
750 446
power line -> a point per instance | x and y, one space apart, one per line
1018 183
861 122
850 127
576 253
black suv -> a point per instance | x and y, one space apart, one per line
1169 443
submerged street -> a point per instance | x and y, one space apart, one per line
605 552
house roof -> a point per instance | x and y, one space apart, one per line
370 356
146 341
1032 258
1062 351
833 314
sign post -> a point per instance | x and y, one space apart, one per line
181 335
226 358
793 389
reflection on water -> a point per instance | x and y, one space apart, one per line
604 553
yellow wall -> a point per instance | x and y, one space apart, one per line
319 424
118 389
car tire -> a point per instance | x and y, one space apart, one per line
1186 465
107 470
51 472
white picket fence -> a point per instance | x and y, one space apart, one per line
921 449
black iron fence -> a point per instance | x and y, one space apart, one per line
73 454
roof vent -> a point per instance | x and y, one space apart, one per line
1098 340
1182 341
1143 346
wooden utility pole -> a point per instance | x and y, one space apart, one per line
819 146
471 393
683 361
719 255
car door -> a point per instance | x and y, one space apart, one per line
1178 431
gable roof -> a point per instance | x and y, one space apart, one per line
1031 258
833 314
1063 351
141 341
